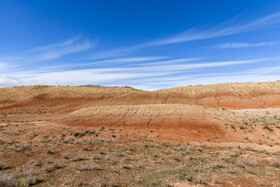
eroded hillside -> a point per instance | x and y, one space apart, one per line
212 135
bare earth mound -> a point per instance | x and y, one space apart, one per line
193 122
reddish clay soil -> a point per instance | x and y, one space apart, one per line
234 95
243 116
192 112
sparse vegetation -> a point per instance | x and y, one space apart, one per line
7 180
266 126
90 167
246 161
275 164
143 163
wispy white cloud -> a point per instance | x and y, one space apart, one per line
130 60
243 45
220 30
66 43
50 52
74 77
197 33
227 78
108 62
6 67
169 62
182 67
154 73
7 81
3 65
158 66
252 75
59 49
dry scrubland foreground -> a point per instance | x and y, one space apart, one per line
212 135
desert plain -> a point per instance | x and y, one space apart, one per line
204 135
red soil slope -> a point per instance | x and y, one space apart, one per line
233 95
230 95
181 109
193 122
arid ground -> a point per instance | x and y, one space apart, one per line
210 135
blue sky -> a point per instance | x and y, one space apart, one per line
144 44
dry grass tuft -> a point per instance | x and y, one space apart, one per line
90 167
246 161
8 180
